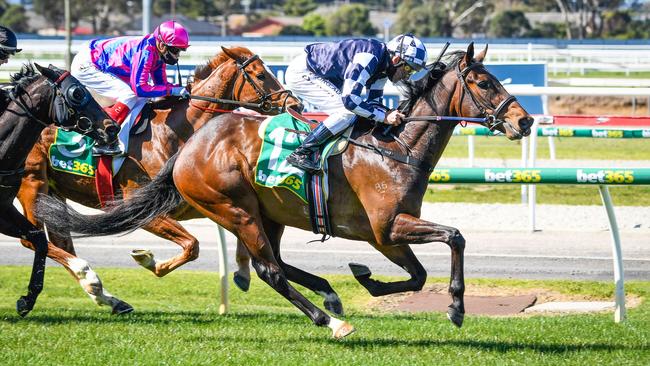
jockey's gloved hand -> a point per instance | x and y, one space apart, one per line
180 92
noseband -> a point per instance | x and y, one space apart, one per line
264 102
492 120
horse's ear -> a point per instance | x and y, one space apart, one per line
47 72
469 55
481 56
229 53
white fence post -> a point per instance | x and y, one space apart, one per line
619 311
223 271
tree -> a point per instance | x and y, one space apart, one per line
589 15
350 20
314 24
295 30
509 24
547 30
13 16
299 7
616 24
428 18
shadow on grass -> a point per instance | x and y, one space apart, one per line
494 346
149 317
255 320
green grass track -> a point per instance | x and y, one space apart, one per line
176 323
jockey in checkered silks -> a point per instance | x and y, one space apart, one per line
332 76
125 72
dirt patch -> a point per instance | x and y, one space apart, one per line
480 300
618 106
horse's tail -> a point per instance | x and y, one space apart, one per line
158 197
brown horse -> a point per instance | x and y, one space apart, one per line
373 197
235 74
36 100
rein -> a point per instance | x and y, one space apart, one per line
16 99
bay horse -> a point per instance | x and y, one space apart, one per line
36 100
232 78
373 197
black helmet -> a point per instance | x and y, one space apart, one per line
8 42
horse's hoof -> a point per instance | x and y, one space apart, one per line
335 307
144 257
359 270
23 307
455 316
343 330
241 282
122 308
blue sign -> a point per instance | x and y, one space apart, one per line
523 74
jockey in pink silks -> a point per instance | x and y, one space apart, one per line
125 72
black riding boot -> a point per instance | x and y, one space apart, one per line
109 149
303 156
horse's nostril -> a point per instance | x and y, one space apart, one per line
526 122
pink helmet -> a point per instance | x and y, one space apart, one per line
172 33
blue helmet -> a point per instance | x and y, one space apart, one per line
8 42
410 49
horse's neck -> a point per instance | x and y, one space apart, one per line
200 112
18 134
430 139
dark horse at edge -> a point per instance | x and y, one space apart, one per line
34 102
373 197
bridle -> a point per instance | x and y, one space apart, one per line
492 120
69 97
264 102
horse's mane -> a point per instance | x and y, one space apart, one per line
203 71
25 76
21 79
413 91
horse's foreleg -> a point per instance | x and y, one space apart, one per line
14 224
242 276
171 230
403 256
86 277
408 229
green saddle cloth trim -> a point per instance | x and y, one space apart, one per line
272 169
71 152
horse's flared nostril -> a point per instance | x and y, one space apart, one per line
526 123
298 107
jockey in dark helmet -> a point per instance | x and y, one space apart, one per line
332 77
8 44
120 70
8 48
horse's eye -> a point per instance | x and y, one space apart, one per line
484 84
261 76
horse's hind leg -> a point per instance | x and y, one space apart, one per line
170 229
406 230
14 224
319 285
246 224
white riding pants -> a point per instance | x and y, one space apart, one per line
319 93
107 89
